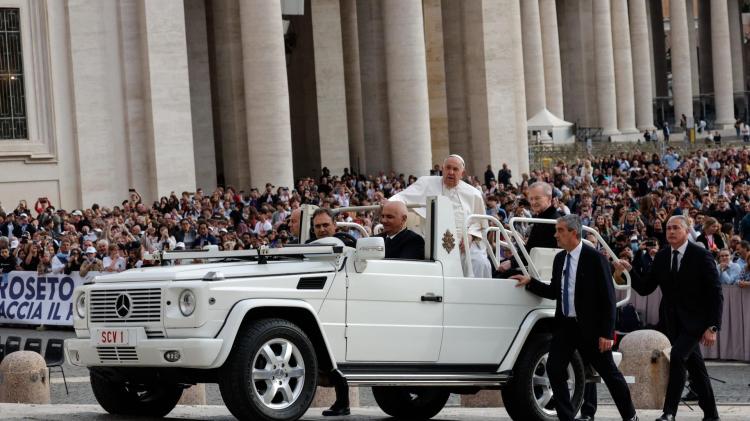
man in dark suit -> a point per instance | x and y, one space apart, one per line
689 312
400 242
585 317
541 235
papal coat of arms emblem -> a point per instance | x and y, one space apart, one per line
448 241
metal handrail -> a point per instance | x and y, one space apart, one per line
493 257
626 287
354 225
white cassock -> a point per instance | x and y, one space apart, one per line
466 200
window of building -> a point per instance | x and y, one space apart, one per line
13 123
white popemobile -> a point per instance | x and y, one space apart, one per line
270 325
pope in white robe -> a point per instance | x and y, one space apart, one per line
466 201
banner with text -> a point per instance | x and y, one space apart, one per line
31 298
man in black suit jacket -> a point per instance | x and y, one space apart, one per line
585 317
689 312
541 235
400 242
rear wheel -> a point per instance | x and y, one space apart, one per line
410 403
529 395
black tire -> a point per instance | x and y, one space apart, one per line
520 394
242 392
124 398
410 403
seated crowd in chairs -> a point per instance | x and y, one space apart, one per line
53 354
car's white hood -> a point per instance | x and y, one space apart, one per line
227 270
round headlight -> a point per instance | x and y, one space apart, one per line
187 302
81 305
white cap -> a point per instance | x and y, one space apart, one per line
90 250
14 243
180 245
23 215
77 213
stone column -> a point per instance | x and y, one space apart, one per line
704 40
200 94
552 66
350 39
455 88
533 62
682 88
606 96
660 50
228 92
374 92
168 97
269 134
644 109
692 38
436 84
406 73
495 93
722 63
623 67
330 87
735 38
97 100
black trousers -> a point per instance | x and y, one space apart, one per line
567 340
686 355
342 392
589 400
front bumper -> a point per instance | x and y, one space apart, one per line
194 352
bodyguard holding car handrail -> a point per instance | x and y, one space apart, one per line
585 312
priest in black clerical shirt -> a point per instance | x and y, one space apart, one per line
400 242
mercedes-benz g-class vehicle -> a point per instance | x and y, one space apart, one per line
270 325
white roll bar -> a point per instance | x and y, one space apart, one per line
354 225
506 242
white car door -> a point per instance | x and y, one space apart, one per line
394 312
482 317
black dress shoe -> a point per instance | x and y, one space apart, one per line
336 412
666 417
585 418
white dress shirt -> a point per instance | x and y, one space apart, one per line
681 254
574 256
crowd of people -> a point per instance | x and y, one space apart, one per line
627 197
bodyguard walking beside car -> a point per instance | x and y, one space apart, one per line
584 315
689 312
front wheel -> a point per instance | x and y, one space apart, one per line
410 403
528 396
271 373
121 397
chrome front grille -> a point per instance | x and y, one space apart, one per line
107 306
108 354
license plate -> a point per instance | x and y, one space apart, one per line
114 337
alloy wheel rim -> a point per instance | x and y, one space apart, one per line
542 388
278 374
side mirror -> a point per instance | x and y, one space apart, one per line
368 248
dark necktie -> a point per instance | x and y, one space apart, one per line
566 286
674 267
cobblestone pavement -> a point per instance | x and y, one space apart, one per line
218 413
734 392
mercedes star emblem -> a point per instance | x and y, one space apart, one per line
122 306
